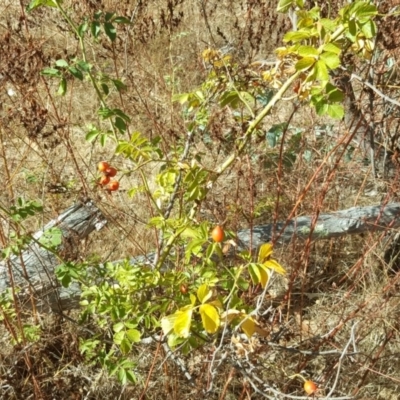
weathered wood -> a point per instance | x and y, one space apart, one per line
352 221
33 270
83 218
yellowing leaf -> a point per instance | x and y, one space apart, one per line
183 321
204 293
192 299
264 275
167 323
209 317
282 52
216 303
248 326
304 63
267 76
181 98
265 252
229 315
275 266
209 54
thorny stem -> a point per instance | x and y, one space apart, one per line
83 50
169 208
228 162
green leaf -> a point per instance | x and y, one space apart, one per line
105 112
121 114
121 20
51 72
76 73
119 85
328 24
321 71
210 318
352 31
334 94
271 139
108 16
119 337
133 335
330 59
265 97
321 107
304 63
131 376
95 28
38 3
307 51
335 111
125 347
61 63
62 87
122 374
365 12
92 134
103 139
255 274
369 29
110 31
246 97
82 28
120 124
51 238
105 88
331 48
118 327
84 66
284 5
296 36
229 98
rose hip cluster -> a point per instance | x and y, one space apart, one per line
108 172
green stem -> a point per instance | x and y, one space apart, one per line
256 121
168 247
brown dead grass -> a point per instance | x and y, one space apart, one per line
332 287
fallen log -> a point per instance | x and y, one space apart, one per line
354 220
33 270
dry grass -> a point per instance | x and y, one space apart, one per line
339 297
